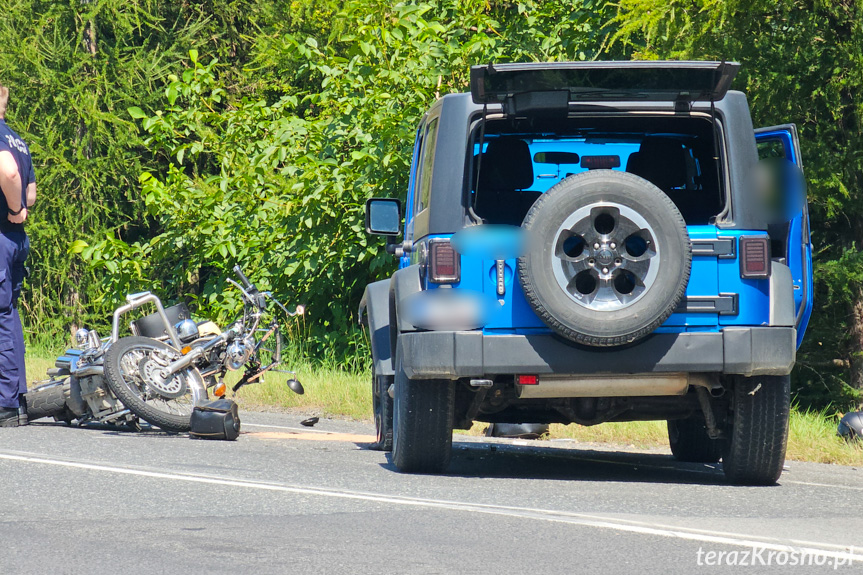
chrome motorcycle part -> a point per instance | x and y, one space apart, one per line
132 381
153 370
187 331
137 300
82 337
238 353
89 385
93 340
76 401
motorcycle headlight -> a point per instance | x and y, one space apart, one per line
187 331
238 353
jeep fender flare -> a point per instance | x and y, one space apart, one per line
379 310
374 312
405 282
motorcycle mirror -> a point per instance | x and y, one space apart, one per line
295 386
82 336
301 309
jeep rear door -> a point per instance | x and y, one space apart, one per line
550 85
782 143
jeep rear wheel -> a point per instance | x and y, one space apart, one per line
422 423
608 258
755 450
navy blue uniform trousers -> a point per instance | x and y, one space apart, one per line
14 248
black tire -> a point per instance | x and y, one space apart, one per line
422 424
653 300
132 398
382 406
48 401
755 450
689 441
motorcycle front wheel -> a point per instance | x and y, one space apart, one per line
135 373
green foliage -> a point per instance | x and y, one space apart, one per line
800 63
73 69
277 181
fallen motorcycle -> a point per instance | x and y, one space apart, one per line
165 368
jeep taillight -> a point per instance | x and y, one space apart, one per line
444 262
754 257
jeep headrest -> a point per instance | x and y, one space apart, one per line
507 165
664 162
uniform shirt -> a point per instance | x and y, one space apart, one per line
11 142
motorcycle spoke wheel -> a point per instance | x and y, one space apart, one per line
160 400
130 367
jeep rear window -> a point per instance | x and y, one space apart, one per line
677 154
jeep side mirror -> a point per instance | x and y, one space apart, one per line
383 217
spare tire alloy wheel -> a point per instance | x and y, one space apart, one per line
605 256
608 260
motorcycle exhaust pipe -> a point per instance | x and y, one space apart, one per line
197 352
89 371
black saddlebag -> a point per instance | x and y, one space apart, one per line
217 419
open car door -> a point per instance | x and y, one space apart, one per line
782 143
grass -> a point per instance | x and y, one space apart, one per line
332 391
813 437
36 366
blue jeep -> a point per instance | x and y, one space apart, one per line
593 242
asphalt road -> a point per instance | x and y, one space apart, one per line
285 499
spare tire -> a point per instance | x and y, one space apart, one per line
607 260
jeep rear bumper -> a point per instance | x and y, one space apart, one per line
738 350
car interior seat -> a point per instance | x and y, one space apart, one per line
507 169
668 164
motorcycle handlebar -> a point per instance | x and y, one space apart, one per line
242 277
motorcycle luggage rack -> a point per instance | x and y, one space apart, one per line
137 300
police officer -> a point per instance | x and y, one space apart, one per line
18 184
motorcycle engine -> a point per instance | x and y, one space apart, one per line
94 391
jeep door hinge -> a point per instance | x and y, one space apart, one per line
501 279
400 248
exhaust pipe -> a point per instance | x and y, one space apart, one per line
628 385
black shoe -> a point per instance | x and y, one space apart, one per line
22 412
8 417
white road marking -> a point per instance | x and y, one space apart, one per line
582 519
823 485
303 429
